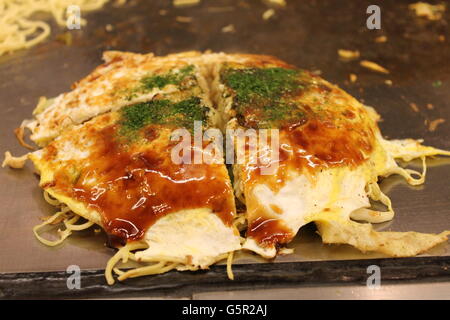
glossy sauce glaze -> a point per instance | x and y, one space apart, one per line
133 185
268 232
316 145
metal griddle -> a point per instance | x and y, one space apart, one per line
305 33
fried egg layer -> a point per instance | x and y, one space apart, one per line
193 237
124 79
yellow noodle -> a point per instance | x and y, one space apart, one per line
63 234
79 227
70 218
125 250
19 27
229 263
408 173
49 199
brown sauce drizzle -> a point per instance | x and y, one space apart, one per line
269 232
132 190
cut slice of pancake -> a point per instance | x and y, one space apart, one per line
330 156
118 171
124 79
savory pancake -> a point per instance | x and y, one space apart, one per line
108 156
117 171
